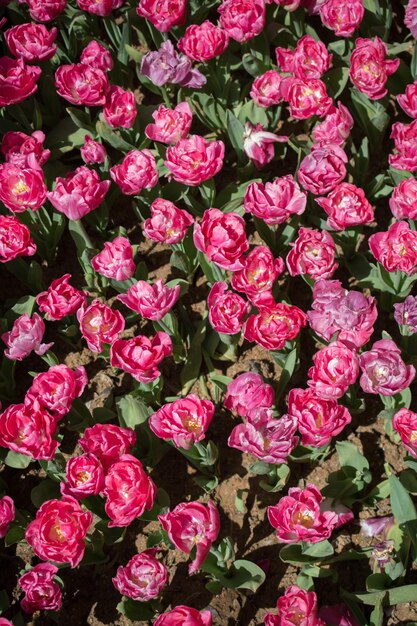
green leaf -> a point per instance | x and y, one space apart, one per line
94 554
4 601
80 119
401 503
402 595
14 459
260 468
236 131
135 54
114 139
240 505
46 490
15 534
243 574
103 415
132 411
213 272
320 549
336 79
372 117
207 483
413 66
350 456
278 477
22 306
390 597
287 372
299 553
191 369
154 539
135 611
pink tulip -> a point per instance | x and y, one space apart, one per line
295 604
82 84
227 310
99 324
405 151
128 491
306 97
242 19
26 335
312 253
167 224
369 69
141 356
15 239
404 423
25 151
343 18
383 370
265 437
152 302
403 202
346 206
259 273
45 10
99 7
183 421
120 108
92 151
59 530
182 615
275 202
84 477
60 299
163 14
142 578
298 516
107 442
192 161
192 524
170 125
21 189
7 515
31 42
274 325
350 314
335 368
42 593
396 249
318 420
266 89
258 144
137 171
79 193
323 169
17 80
336 126
310 58
115 260
410 19
202 42
56 389
96 55
222 238
247 392
28 429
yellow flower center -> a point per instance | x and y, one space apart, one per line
192 424
305 518
20 187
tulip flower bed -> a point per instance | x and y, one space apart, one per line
208 261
